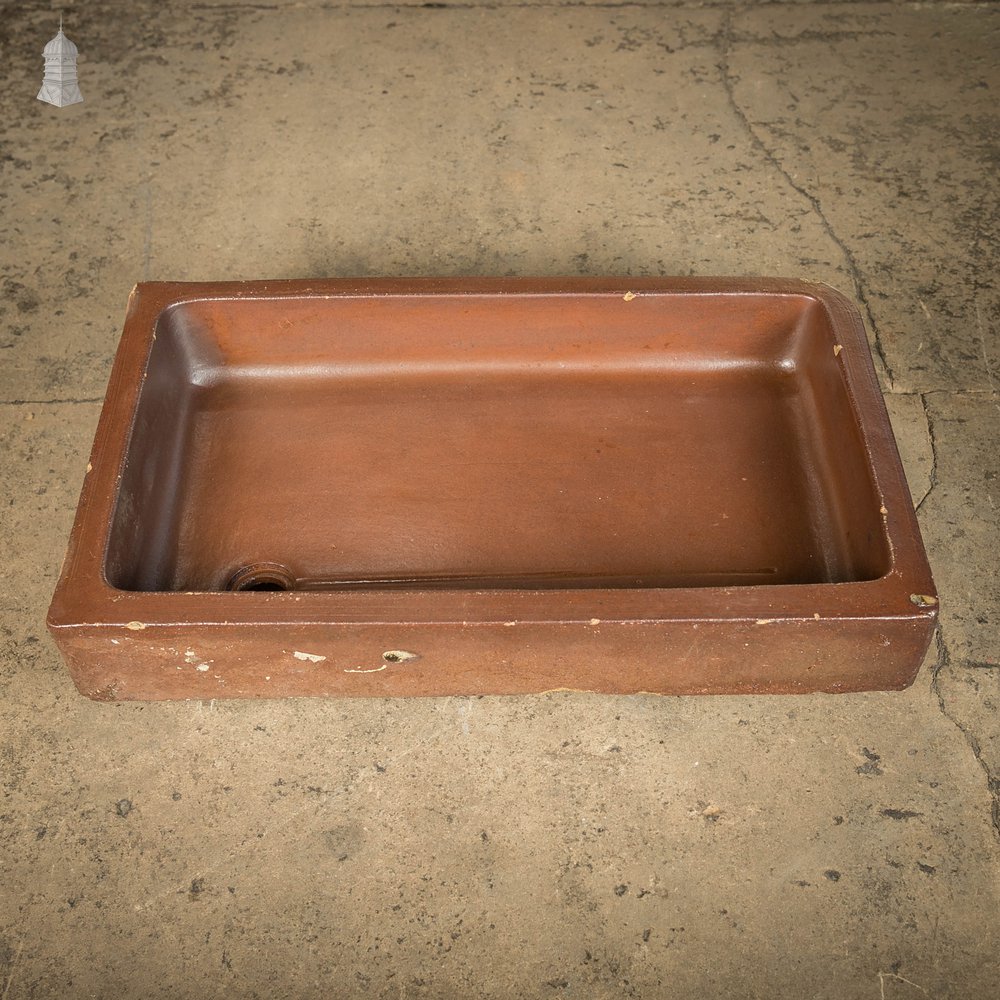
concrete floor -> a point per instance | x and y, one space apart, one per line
562 845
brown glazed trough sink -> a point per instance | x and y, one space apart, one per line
469 486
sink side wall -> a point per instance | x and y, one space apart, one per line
848 523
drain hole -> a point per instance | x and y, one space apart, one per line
262 577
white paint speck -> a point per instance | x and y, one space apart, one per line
311 657
202 667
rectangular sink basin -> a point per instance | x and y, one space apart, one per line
470 486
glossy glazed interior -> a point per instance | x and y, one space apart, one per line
493 442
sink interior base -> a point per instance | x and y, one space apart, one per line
485 444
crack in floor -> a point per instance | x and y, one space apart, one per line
726 40
672 5
51 402
931 437
943 658
942 661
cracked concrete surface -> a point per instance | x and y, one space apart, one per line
562 844
729 82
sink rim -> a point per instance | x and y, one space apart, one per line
84 598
